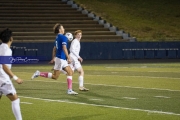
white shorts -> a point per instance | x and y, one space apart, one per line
60 64
75 64
7 88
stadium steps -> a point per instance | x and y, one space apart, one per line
33 20
50 33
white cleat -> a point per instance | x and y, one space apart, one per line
35 75
83 89
71 92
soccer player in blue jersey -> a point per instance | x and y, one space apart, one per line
61 58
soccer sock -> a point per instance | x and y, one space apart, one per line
69 81
16 109
46 74
81 81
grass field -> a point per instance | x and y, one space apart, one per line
147 20
118 91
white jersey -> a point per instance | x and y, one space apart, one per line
75 48
4 51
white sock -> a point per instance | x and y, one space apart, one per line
81 81
16 109
49 75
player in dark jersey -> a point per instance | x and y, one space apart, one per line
61 58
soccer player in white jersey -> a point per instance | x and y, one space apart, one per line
61 58
76 60
6 86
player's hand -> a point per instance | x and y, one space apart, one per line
52 61
19 81
69 61
80 59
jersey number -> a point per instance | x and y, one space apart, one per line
56 45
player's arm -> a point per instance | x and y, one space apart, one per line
11 75
66 53
53 54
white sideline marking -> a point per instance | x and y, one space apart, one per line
106 106
97 99
145 67
130 98
112 86
137 76
60 100
136 87
166 71
117 67
26 103
162 97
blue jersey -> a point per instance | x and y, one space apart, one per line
60 41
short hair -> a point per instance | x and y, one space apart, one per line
77 31
56 28
5 35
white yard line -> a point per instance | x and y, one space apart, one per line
111 86
162 97
136 76
165 71
117 67
26 103
106 106
96 99
130 98
144 67
136 87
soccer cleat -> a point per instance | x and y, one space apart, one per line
83 89
36 74
71 92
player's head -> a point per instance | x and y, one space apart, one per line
78 34
6 36
58 28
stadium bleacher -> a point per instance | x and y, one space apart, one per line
32 21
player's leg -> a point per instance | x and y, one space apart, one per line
80 70
15 106
69 80
72 68
56 74
56 69
42 74
81 79
9 90
68 70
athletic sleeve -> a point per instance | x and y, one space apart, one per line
64 40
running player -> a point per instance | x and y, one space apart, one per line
6 86
61 58
76 60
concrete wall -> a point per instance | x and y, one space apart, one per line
106 50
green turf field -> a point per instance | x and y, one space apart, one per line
118 91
